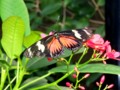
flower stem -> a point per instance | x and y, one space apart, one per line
68 63
58 87
3 75
100 86
9 79
3 78
6 88
20 73
54 83
82 56
29 83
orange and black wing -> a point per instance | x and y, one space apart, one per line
70 42
53 47
74 39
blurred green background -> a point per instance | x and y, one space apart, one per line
49 15
56 15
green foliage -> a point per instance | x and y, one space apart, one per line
13 31
18 33
4 64
50 9
32 38
15 8
100 30
36 84
101 2
36 63
90 68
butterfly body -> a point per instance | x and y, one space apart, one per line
53 45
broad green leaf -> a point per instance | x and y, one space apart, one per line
36 63
12 36
15 8
54 88
32 38
90 68
38 83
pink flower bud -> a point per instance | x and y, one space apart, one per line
75 69
102 79
82 87
86 75
68 84
74 76
43 35
104 62
110 86
97 83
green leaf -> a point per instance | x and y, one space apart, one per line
38 83
50 8
15 8
4 63
90 68
55 88
12 36
36 63
32 38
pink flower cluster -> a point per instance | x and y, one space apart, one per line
102 80
97 42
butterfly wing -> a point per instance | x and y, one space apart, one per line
82 34
37 49
52 45
70 42
74 39
48 46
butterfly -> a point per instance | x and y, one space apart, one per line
54 45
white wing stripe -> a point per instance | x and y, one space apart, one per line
77 34
40 46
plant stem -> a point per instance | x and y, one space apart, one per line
68 63
20 73
77 81
6 88
3 77
34 81
58 87
100 86
9 79
54 83
82 56
70 58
